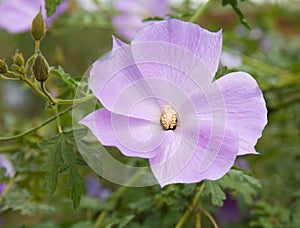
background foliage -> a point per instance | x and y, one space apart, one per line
50 187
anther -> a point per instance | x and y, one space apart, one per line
168 119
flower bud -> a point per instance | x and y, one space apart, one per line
3 67
18 59
40 68
38 27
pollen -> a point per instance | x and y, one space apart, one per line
168 118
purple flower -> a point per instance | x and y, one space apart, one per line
230 60
161 103
230 212
131 13
95 189
16 15
5 163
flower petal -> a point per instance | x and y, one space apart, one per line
211 111
115 75
16 16
181 158
166 61
134 137
204 45
245 108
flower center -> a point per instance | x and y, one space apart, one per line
168 119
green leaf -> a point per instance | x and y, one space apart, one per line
142 204
234 5
53 146
76 185
221 71
63 158
188 189
125 220
116 220
176 196
216 193
85 224
153 19
96 204
242 183
266 214
65 77
51 6
20 200
181 16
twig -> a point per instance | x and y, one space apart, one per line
190 207
35 128
200 11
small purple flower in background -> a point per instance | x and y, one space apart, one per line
230 60
161 102
5 163
242 163
16 15
95 189
230 212
131 13
266 44
88 5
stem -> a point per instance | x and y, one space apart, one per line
44 94
47 94
190 207
28 63
264 66
8 149
122 189
58 120
100 218
35 128
37 46
7 188
116 195
200 11
75 101
30 83
198 218
8 78
210 217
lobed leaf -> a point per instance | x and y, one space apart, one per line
216 193
63 158
51 6
21 200
53 146
242 183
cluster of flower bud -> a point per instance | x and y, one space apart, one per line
40 68
38 27
3 67
18 65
